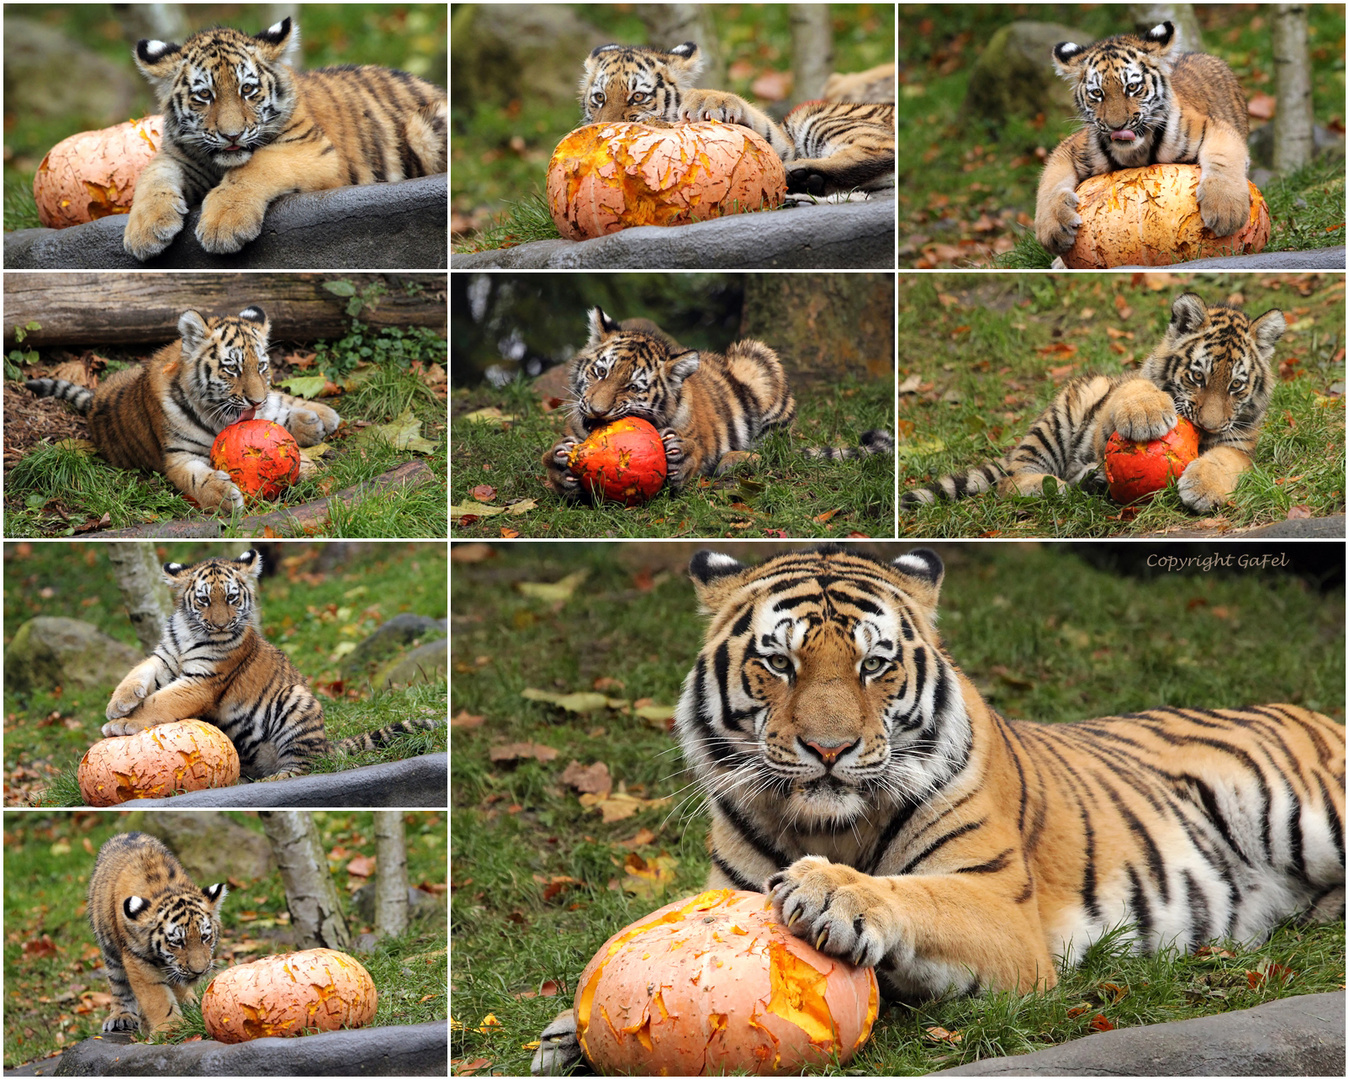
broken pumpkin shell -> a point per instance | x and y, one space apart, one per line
621 462
186 755
1138 470
313 990
715 984
93 174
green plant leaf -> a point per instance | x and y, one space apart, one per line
340 288
305 386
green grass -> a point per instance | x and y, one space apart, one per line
783 490
520 222
983 350
1043 634
307 612
49 992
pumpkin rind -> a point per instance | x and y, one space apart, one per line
93 174
313 990
1150 217
1138 470
714 984
261 457
621 462
611 176
187 755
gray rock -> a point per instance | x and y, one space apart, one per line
1316 259
1015 76
39 63
412 782
388 639
1297 1036
840 236
426 663
371 226
1326 528
50 651
406 1050
209 845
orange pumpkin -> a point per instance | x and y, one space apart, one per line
606 177
715 984
623 462
1150 217
314 990
261 457
1138 470
187 755
93 174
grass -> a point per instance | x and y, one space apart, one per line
1043 633
53 968
783 493
310 612
983 217
990 353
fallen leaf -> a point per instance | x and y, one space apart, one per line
1296 513
911 384
582 701
361 866
402 433
491 415
473 510
484 493
471 553
1262 106
648 878
519 751
553 591
466 721
940 1034
619 805
593 779
305 386
1100 1023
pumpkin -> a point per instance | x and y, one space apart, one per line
715 984
93 174
186 755
314 990
623 462
1138 470
611 176
1150 217
261 457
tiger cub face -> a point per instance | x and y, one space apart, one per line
810 692
1215 363
632 83
224 367
1120 84
216 597
224 94
628 372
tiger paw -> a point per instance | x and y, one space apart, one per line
807 181
559 1051
1057 220
560 477
312 423
1205 484
676 464
155 219
219 492
228 222
128 725
837 909
713 105
1143 412
121 1021
1224 203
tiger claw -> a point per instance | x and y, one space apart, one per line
824 936
793 919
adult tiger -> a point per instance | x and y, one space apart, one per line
853 771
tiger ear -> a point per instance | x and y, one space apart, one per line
158 61
685 60
1161 37
216 894
134 906
173 575
1267 330
251 560
922 571
279 40
253 313
601 326
682 366
1188 313
1066 56
192 329
711 571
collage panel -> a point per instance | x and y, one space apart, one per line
746 405
215 929
771 718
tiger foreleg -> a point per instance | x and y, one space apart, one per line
684 459
559 1051
194 477
158 1004
1139 410
557 462
1208 480
309 421
1056 216
136 686
158 208
1223 193
731 109
183 699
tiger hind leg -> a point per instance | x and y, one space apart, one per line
851 168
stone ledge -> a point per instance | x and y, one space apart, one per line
1316 259
837 236
398 226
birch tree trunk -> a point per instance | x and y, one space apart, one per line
1188 37
311 893
812 50
144 591
668 25
391 874
1293 135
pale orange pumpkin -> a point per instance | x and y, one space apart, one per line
611 176
93 174
261 457
1150 217
313 990
622 462
187 755
715 984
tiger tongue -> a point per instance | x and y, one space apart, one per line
247 414
1123 136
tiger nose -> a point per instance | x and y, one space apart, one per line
830 752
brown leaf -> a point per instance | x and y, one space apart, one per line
640 839
484 493
1100 1023
1296 513
1262 106
824 517
361 866
940 1034
592 779
518 751
466 721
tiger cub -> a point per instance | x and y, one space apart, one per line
213 664
157 931
1212 367
164 414
242 128
1142 105
828 147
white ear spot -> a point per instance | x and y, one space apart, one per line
1158 30
913 564
134 905
275 28
719 561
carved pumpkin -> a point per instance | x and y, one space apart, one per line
715 984
623 462
93 174
1150 217
261 457
188 755
314 990
1138 470
606 177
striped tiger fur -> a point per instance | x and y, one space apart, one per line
241 128
828 147
1213 367
1142 105
213 663
705 405
164 415
157 931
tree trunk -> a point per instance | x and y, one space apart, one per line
391 874
1188 36
824 326
109 308
311 894
1294 140
812 50
144 591
668 25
